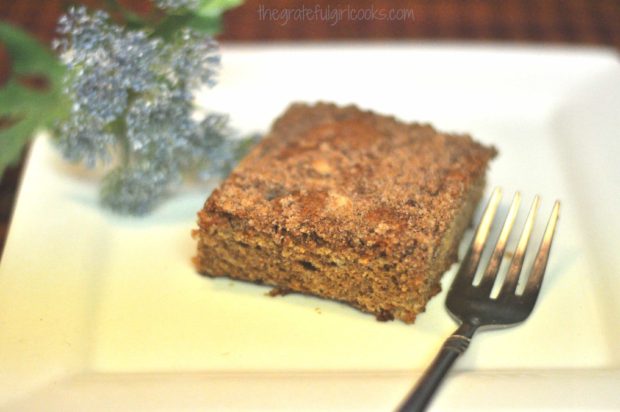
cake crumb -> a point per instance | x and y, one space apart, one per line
337 200
321 167
278 291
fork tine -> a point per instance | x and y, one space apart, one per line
512 277
532 288
472 258
490 273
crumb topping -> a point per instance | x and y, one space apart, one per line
352 178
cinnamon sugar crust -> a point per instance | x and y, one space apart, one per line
345 204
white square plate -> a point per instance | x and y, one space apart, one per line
101 312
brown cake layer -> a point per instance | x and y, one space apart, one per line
348 205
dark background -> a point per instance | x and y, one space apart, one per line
566 22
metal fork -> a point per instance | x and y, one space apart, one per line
471 302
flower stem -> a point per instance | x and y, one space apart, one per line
132 19
119 129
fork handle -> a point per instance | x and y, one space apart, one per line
419 398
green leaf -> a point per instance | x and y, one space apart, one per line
29 109
207 19
214 8
210 25
170 24
132 20
13 139
28 56
15 98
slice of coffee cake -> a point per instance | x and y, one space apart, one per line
348 205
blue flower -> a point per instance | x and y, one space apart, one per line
132 96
